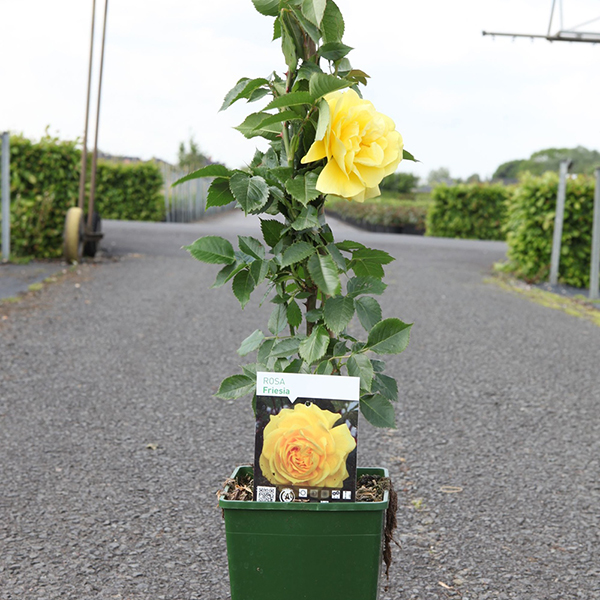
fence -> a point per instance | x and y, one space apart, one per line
186 202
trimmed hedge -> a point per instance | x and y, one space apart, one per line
45 184
129 192
399 215
468 211
530 226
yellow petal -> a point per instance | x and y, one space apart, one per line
316 152
333 180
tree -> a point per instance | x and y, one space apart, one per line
584 161
192 159
399 183
441 175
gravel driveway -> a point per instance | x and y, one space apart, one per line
112 446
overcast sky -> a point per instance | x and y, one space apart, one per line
460 100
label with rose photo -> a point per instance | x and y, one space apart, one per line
306 437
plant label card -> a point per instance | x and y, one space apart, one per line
306 437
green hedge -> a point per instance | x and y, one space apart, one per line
129 192
386 213
530 227
469 211
45 183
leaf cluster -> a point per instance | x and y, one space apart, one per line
530 227
316 285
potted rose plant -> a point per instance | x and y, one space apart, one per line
324 139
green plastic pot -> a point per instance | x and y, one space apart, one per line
304 551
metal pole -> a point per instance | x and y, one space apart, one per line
5 195
166 190
595 265
83 173
95 154
558 220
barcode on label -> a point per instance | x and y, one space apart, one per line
265 494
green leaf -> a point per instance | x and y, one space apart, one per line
332 25
406 155
271 230
310 28
368 311
286 115
334 50
315 345
288 43
209 171
296 253
338 312
307 69
285 348
357 75
386 386
307 219
324 119
251 246
278 319
314 10
212 249
259 269
251 343
294 314
324 368
321 84
291 99
367 262
249 127
233 92
243 285
297 366
219 193
389 336
226 273
312 316
276 29
364 285
243 91
251 369
378 411
265 351
350 246
337 256
378 365
281 175
269 8
324 273
236 386
303 187
251 192
359 365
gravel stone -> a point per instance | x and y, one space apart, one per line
113 445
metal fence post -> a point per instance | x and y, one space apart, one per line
558 220
595 263
5 195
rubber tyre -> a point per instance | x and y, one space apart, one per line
73 234
90 248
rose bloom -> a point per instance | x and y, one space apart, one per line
301 447
362 147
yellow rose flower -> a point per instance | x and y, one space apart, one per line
362 147
301 447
